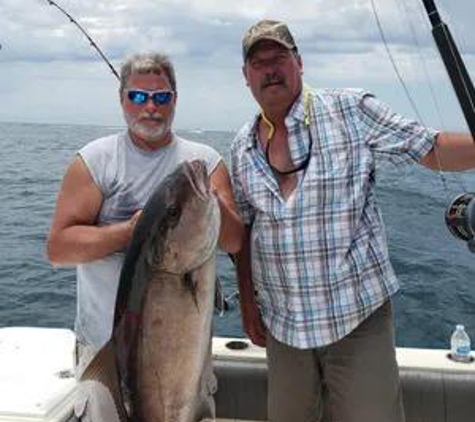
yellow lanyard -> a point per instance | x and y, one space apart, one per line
306 107
304 164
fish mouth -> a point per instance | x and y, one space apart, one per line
198 177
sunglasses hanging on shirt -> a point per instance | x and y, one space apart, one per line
305 162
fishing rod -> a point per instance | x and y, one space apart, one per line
91 41
460 214
454 64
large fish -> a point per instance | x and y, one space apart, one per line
156 361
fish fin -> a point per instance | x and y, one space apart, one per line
191 285
103 369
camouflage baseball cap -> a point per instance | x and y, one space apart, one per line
267 30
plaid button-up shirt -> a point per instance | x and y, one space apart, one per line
319 259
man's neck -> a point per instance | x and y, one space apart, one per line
151 145
277 112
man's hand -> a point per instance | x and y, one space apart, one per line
132 222
252 323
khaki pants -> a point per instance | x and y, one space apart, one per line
353 380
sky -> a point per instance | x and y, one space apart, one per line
50 74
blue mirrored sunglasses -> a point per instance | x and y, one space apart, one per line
140 97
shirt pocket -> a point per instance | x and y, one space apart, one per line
327 181
331 163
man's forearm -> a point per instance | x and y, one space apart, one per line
243 265
451 152
83 243
231 233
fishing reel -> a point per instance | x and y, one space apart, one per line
460 218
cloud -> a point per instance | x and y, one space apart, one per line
44 54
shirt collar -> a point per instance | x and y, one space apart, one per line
295 114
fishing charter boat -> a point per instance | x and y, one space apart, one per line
38 385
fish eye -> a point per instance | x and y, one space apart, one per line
173 211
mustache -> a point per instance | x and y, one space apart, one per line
151 116
272 79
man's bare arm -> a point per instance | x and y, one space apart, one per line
232 229
74 236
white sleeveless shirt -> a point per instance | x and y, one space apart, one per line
126 176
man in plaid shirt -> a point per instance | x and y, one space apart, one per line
314 273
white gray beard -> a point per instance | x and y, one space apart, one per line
145 132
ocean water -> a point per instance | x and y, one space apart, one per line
436 271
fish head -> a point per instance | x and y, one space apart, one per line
185 231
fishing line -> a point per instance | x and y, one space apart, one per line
457 177
83 31
393 62
454 64
421 55
465 87
435 101
460 214
440 172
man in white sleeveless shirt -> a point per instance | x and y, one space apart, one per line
103 192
